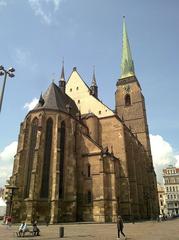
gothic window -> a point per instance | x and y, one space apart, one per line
127 100
89 197
62 155
32 144
47 157
89 170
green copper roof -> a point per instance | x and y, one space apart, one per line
127 65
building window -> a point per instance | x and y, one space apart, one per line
47 158
161 203
89 197
70 89
31 153
170 189
99 112
62 156
78 101
77 88
168 197
160 195
167 189
174 189
127 100
89 170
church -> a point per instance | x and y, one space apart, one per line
78 160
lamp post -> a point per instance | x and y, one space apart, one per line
12 189
10 73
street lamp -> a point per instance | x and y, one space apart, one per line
12 189
10 73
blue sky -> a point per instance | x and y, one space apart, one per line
37 34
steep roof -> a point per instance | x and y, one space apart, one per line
127 65
55 99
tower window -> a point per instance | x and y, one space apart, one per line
127 100
70 89
77 88
78 101
99 112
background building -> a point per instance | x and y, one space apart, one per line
78 160
171 184
162 199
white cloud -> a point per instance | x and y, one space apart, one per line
29 106
21 56
6 162
45 8
163 155
177 163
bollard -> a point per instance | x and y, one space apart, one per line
61 232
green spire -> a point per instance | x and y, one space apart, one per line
127 65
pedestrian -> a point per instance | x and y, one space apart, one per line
120 227
9 221
36 230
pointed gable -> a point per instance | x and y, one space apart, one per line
79 91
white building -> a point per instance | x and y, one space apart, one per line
171 184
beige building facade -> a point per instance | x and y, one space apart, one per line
78 160
162 200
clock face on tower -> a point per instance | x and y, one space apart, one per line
126 88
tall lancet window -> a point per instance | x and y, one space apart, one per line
62 155
47 157
33 138
89 170
127 100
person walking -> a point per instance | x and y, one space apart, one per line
120 227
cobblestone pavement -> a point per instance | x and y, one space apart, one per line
168 230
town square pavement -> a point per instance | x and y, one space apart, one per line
149 230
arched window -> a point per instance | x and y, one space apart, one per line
62 154
89 197
33 138
127 100
89 170
47 157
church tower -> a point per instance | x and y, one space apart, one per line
130 103
130 107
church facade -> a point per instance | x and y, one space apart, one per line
77 160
